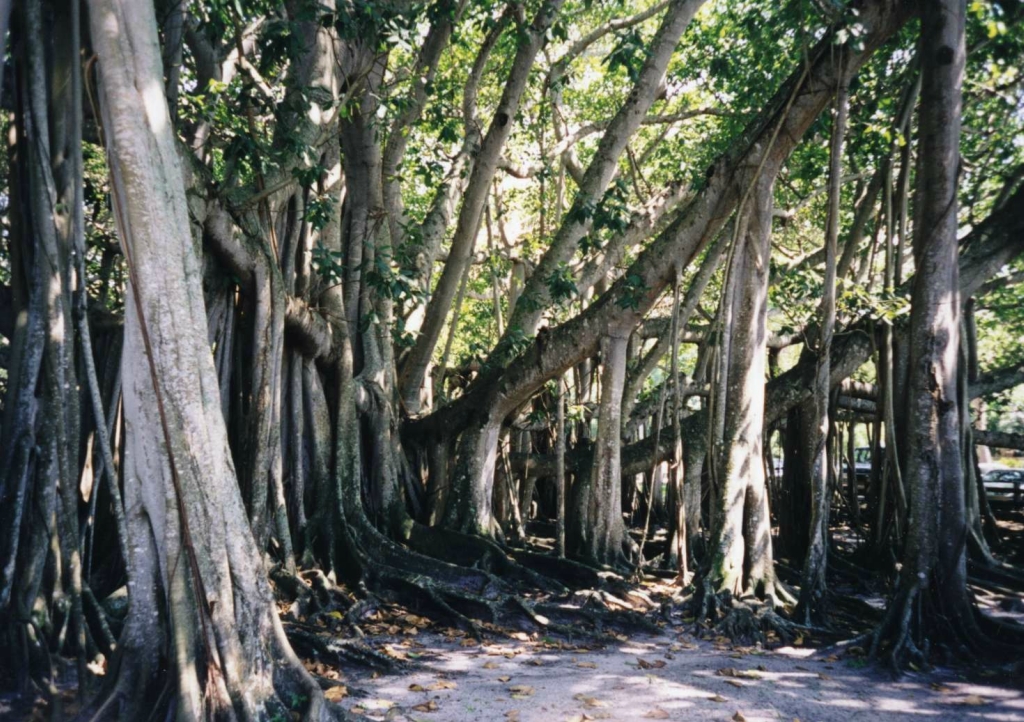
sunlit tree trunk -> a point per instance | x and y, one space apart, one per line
932 598
200 600
741 547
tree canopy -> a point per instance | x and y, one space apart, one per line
467 305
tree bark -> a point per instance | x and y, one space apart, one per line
606 542
816 421
190 540
932 594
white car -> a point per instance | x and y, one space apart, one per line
1004 485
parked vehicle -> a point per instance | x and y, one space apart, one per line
862 462
1004 486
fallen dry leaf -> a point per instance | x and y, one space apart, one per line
657 713
656 664
512 715
735 683
586 665
973 700
738 717
505 678
718 698
490 665
428 706
941 688
733 672
520 690
443 684
336 693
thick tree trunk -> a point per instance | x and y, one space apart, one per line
191 544
932 596
793 491
469 501
695 456
28 479
741 546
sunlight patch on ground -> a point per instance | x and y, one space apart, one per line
664 678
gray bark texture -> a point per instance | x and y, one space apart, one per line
932 596
200 599
741 547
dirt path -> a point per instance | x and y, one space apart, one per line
663 678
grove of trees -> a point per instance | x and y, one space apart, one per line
472 304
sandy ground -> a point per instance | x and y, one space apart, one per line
666 677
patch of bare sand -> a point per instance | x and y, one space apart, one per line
664 677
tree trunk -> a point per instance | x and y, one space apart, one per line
190 540
741 546
932 596
606 542
816 422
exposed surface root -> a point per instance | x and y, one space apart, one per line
478 553
310 643
743 621
573 573
933 623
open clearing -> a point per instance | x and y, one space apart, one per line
665 677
